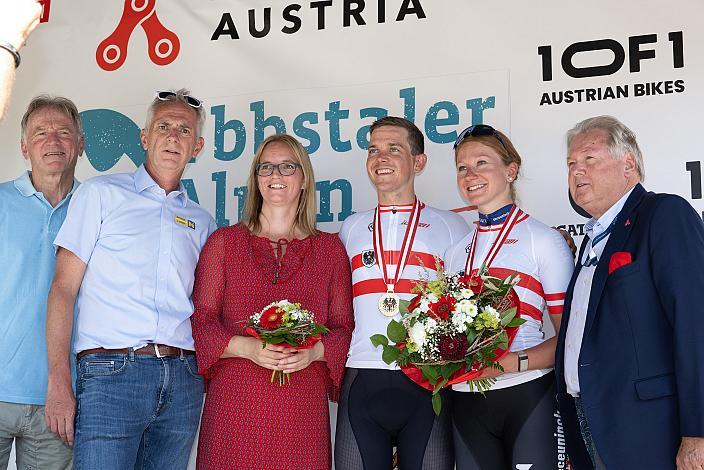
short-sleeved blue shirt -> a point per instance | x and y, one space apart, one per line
28 226
140 246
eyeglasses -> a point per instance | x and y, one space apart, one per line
284 168
170 95
479 130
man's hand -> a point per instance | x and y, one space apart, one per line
60 409
691 454
18 18
568 238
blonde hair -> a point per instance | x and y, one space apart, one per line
306 212
507 152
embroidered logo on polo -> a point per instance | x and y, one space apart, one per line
163 44
368 258
185 222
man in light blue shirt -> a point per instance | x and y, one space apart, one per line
126 259
32 209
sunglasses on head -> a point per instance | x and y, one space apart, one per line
478 130
170 95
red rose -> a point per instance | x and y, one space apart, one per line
453 348
271 318
442 308
415 303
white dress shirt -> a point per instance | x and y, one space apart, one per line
141 247
582 291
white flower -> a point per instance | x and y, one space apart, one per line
424 305
469 307
466 293
492 311
430 325
417 334
432 297
459 322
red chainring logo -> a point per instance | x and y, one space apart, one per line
163 44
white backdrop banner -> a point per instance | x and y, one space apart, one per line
324 70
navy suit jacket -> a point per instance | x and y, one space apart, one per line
641 365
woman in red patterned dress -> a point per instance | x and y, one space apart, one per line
274 253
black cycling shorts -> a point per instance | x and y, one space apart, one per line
383 409
517 428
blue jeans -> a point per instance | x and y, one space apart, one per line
136 411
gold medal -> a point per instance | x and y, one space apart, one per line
389 302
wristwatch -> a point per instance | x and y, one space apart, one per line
522 361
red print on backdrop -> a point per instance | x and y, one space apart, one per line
163 44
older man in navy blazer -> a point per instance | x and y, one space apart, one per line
630 353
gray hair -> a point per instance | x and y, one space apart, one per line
61 104
178 97
621 140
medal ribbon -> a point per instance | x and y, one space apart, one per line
509 223
406 246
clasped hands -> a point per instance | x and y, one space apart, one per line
283 358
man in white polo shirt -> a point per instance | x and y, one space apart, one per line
126 258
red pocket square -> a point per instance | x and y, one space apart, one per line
618 259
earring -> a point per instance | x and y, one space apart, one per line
509 179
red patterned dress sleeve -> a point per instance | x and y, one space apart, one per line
210 336
340 317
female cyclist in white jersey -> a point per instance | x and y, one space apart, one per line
515 424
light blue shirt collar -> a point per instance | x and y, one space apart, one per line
143 180
24 185
596 226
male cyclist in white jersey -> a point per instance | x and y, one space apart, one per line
391 247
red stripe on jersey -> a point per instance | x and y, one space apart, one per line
552 297
464 209
555 309
527 281
415 258
528 309
377 286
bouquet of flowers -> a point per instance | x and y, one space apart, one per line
455 327
285 322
